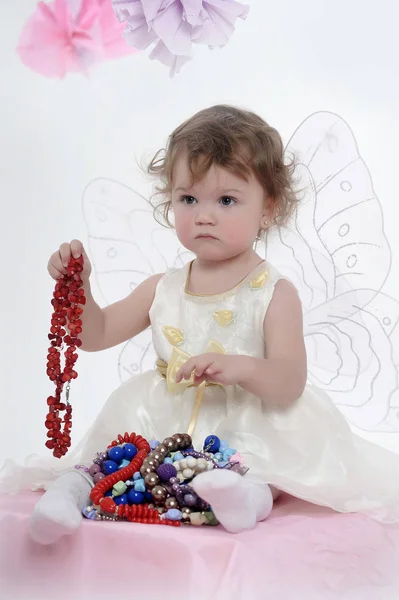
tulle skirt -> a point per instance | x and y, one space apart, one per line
307 450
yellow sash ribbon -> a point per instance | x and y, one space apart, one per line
169 371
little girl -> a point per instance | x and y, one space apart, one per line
228 319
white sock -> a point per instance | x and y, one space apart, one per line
59 510
238 503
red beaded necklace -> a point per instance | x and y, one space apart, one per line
67 298
136 513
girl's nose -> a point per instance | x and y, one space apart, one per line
205 218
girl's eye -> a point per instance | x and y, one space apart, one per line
188 200
227 201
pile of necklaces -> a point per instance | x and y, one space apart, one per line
149 482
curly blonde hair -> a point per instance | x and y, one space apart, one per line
235 139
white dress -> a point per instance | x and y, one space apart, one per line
307 450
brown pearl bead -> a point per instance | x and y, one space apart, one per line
156 456
144 470
187 441
179 439
152 462
159 494
151 480
171 503
170 443
163 450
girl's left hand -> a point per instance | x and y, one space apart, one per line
215 368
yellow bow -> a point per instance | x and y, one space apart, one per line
169 371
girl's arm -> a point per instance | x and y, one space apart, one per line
118 322
279 379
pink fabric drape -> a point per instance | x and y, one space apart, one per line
301 552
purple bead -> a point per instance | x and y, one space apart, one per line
183 492
94 469
166 471
104 455
175 487
190 500
98 476
202 455
173 480
202 505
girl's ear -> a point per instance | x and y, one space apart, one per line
268 215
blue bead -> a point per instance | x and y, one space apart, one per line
109 493
168 461
228 453
137 475
124 463
177 456
116 453
130 451
219 456
223 463
153 444
139 485
89 514
148 497
223 446
174 514
212 444
110 466
122 499
135 497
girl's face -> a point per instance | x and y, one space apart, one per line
219 216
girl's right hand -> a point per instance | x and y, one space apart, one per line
58 261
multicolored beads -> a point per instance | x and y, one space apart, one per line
148 482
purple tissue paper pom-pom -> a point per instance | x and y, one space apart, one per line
171 27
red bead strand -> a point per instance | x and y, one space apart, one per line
98 491
136 513
68 299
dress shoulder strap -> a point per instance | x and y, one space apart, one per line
171 283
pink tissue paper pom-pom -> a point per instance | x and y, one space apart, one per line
172 26
70 36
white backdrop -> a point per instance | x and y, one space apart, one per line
287 61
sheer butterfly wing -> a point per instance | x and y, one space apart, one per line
126 247
350 344
298 252
335 251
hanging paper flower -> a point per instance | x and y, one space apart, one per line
172 26
71 35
